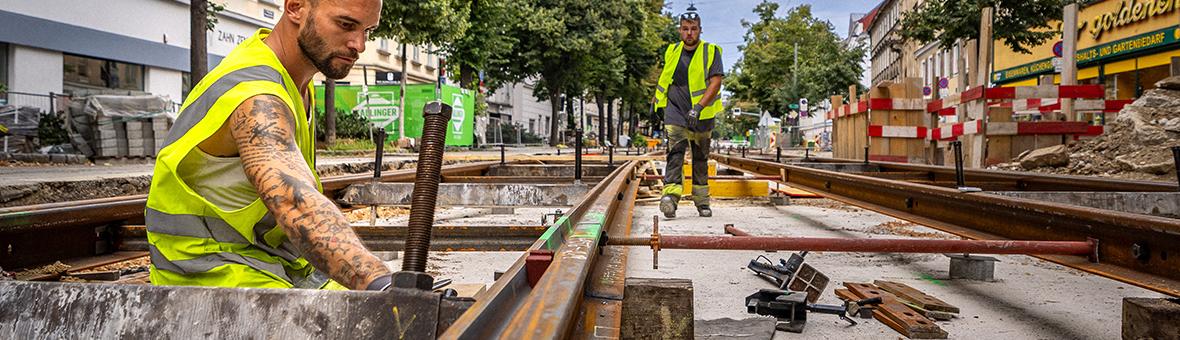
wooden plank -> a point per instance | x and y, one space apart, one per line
917 297
896 315
898 146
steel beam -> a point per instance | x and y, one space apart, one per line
94 311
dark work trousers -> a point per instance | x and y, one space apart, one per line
679 139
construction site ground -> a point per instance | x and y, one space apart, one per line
1029 299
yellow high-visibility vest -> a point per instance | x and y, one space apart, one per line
698 68
194 242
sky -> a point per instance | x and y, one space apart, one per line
721 20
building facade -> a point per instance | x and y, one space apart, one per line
1126 45
121 47
893 59
887 50
142 46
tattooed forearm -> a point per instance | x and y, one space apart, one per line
264 130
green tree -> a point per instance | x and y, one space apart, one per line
485 45
766 73
423 21
1020 24
555 38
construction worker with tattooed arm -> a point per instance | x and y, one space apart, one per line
235 199
687 92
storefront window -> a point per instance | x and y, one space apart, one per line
84 73
186 85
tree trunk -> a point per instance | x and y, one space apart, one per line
330 112
634 121
401 117
466 76
569 113
601 119
610 126
555 122
198 55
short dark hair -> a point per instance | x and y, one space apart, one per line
691 16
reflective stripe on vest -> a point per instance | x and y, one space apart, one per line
196 111
697 82
190 236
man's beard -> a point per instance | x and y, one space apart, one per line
692 42
315 49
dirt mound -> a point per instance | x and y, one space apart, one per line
1137 144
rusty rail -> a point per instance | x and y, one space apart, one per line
1018 180
84 228
512 309
1132 248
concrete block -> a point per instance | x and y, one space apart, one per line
657 309
469 194
972 267
1151 318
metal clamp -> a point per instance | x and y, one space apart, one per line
655 242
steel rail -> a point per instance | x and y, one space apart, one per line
1020 180
1141 250
118 209
511 309
83 228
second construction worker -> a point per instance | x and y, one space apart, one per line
687 93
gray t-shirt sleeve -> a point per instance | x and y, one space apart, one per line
717 69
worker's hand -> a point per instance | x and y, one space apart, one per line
696 110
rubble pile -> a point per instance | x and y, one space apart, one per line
1136 145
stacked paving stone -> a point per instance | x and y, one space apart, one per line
122 137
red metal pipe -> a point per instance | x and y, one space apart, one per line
1081 248
732 230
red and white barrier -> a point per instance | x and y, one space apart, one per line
960 129
889 131
1037 128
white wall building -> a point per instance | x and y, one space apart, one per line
122 46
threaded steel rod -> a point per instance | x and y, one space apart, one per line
430 155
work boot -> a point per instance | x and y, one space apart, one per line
700 197
668 205
704 211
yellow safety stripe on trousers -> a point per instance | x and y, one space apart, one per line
673 189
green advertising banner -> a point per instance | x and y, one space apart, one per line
380 105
